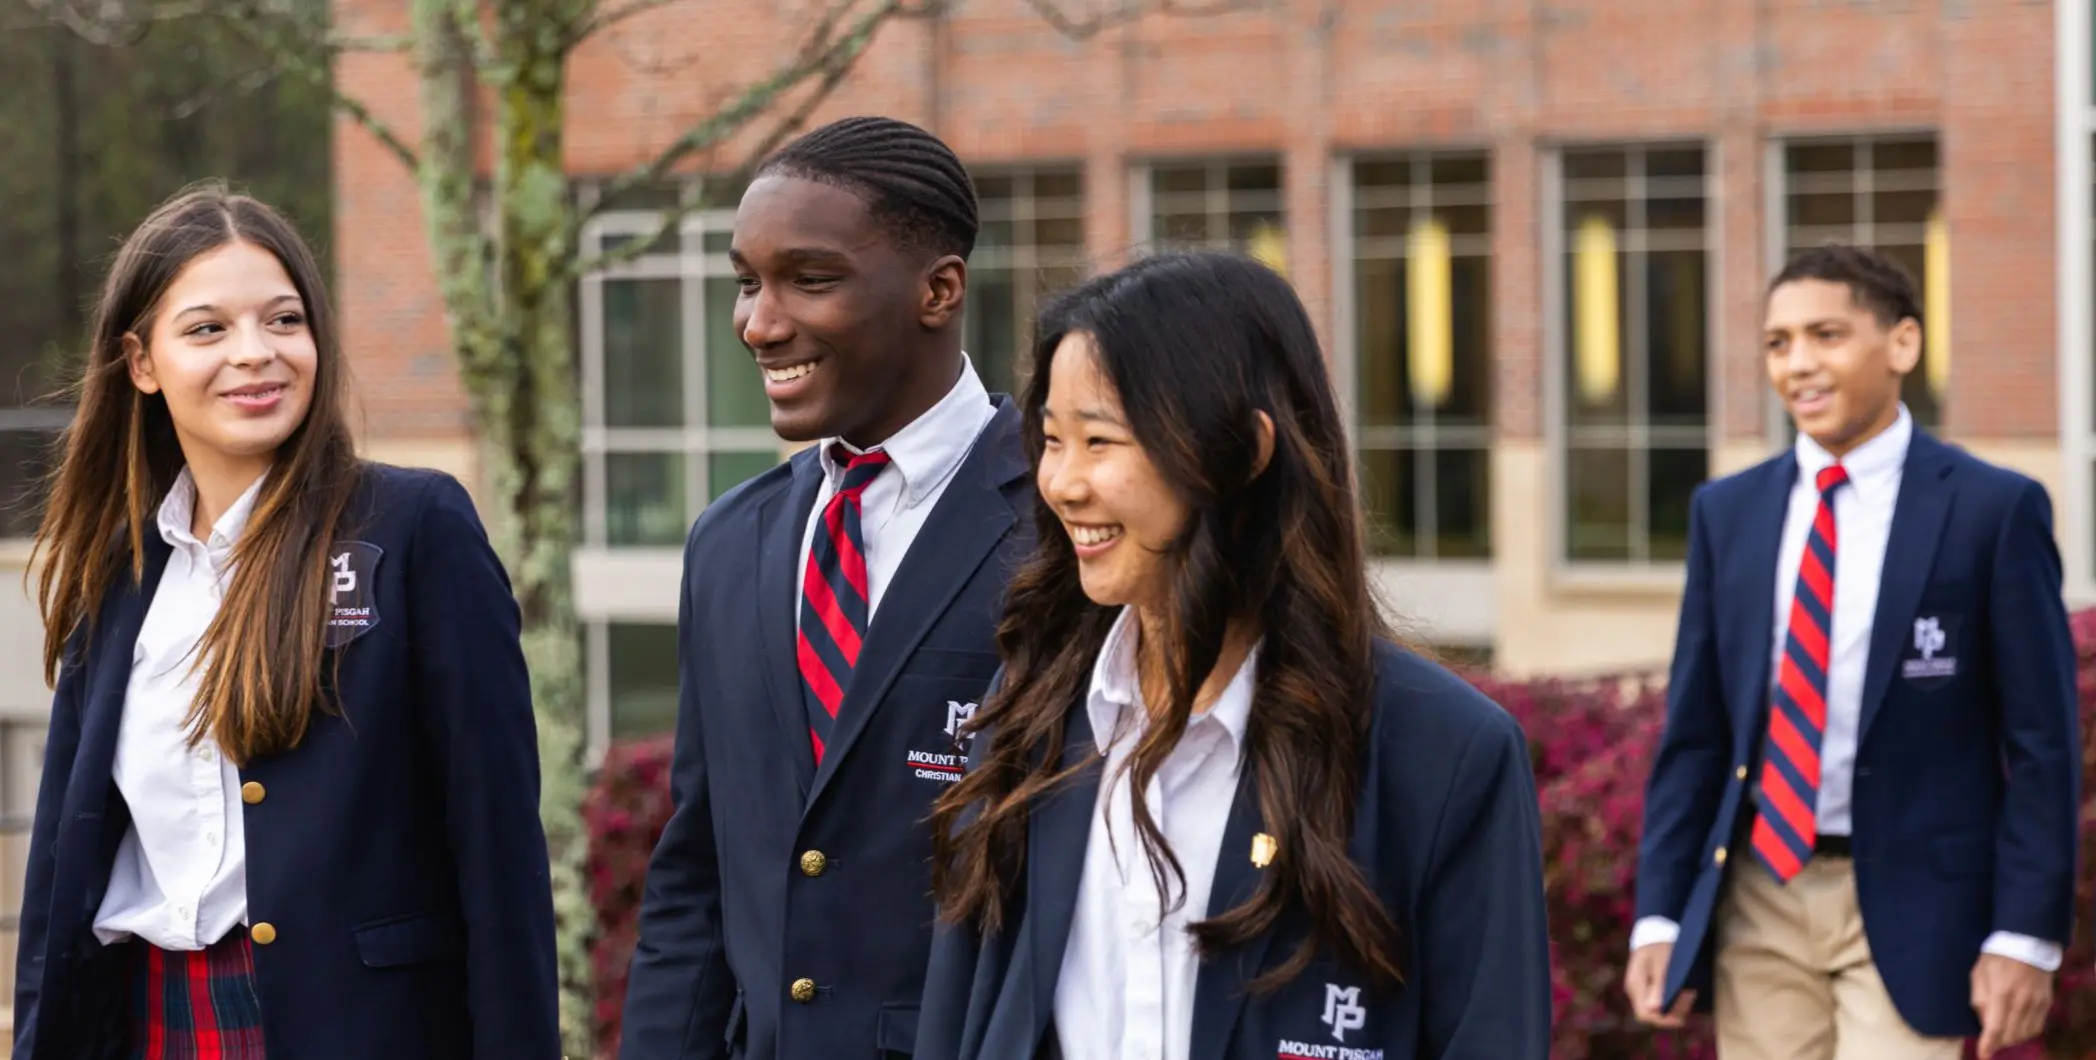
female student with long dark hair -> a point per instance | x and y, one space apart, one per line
1214 809
290 790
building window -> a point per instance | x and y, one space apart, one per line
640 661
1031 245
674 412
1422 258
28 450
1882 192
1233 205
1634 277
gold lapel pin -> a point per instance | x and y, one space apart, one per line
1263 849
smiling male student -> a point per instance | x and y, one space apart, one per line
1860 825
836 620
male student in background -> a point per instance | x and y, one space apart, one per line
836 622
1860 832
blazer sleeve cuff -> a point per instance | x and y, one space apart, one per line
2038 953
1653 930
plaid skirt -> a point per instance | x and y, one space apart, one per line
195 1004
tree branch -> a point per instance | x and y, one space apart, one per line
248 23
827 57
611 15
1127 11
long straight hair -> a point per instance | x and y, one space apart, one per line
1196 345
262 655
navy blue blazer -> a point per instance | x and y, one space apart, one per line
1446 829
772 872
1967 783
397 850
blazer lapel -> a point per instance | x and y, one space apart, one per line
1754 588
971 517
1219 987
781 524
1926 490
102 701
1058 831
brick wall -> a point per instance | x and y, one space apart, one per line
1303 80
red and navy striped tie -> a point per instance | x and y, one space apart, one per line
1787 826
835 602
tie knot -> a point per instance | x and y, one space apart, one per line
1831 476
860 469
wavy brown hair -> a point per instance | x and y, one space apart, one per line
1196 345
262 655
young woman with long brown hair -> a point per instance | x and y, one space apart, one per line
289 800
1214 809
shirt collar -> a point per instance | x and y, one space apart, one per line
1116 687
1875 463
178 511
933 445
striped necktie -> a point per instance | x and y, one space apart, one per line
835 603
1787 826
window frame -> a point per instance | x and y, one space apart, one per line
1455 601
1630 574
2075 270
1027 257
1142 198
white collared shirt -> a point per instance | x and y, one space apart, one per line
1126 991
923 458
1863 509
180 877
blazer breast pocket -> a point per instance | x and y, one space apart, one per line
1928 658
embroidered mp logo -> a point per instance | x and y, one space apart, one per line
1932 636
957 715
352 609
1343 1010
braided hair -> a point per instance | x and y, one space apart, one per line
911 181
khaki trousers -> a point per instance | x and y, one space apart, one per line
1794 978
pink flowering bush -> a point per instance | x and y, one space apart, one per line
1591 746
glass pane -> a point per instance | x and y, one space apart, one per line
1674 213
1384 393
1382 221
26 457
1059 184
725 471
1254 178
1676 330
1890 155
1826 208
1471 220
734 386
1819 158
1459 170
994 234
1244 226
644 499
1389 496
1394 173
991 328
1901 207
988 188
643 675
1675 474
717 241
1595 165
1676 162
1462 503
1168 180
1058 232
1470 288
1597 504
643 353
1596 359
